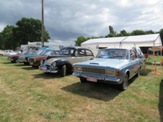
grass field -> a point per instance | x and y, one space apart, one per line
28 95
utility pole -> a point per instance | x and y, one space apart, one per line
42 34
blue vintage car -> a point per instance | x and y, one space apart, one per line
111 65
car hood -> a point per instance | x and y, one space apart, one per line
100 62
39 57
29 55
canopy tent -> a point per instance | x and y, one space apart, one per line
156 48
149 40
95 44
143 40
115 40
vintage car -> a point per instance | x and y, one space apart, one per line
111 65
63 62
25 58
10 52
35 61
15 58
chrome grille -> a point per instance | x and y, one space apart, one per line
93 70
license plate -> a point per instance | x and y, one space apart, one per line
44 69
91 79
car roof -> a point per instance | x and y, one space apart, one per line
128 48
117 48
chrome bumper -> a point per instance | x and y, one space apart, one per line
99 77
46 70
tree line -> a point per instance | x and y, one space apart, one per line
113 33
26 30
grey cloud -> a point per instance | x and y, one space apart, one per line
68 19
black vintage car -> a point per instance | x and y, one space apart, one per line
63 62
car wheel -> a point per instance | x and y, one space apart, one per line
63 71
124 84
26 63
46 72
33 66
17 61
83 80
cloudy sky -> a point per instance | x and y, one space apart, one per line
65 20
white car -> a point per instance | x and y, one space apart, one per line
2 53
9 52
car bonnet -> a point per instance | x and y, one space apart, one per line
112 63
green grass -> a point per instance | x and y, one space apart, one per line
28 95
152 58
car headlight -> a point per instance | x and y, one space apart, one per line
77 68
110 72
53 64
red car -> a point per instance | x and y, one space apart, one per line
35 61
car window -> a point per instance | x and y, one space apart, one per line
113 53
64 52
132 54
67 51
47 53
55 52
139 53
40 52
88 53
81 52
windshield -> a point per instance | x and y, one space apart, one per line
48 52
40 52
67 51
113 53
30 52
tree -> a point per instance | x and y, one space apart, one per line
112 33
111 30
149 32
6 37
137 32
161 35
80 40
29 29
1 41
124 33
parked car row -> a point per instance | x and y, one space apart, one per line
111 65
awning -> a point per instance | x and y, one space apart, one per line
156 48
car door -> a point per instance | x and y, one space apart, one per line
134 63
140 57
